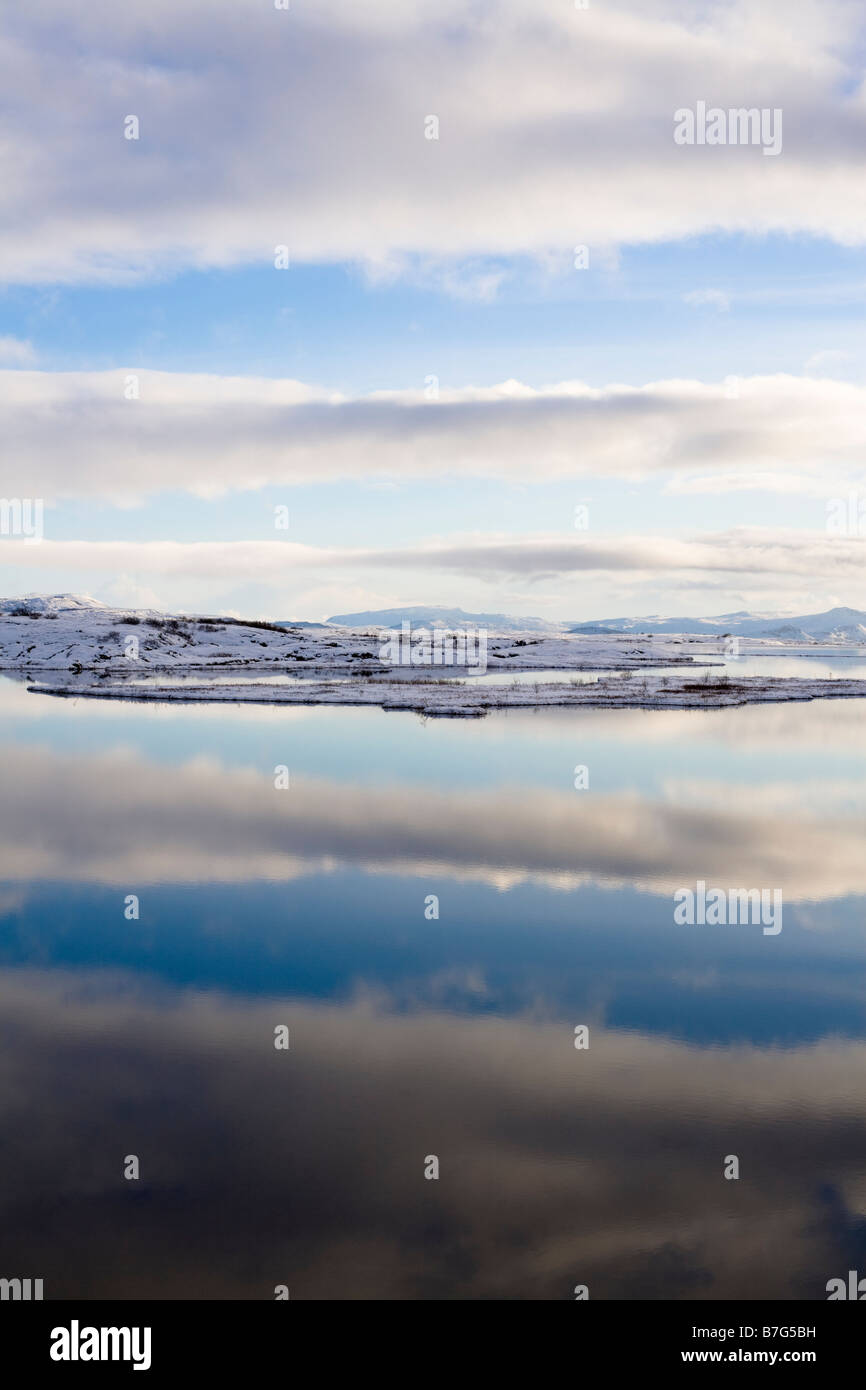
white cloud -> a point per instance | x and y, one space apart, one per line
306 127
716 299
74 434
17 350
741 555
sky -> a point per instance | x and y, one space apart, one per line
316 307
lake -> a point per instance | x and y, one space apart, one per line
427 913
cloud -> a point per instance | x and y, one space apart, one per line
17 350
115 818
306 127
78 434
785 556
718 299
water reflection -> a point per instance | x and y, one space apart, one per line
306 1167
410 1036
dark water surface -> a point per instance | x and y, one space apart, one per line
413 1037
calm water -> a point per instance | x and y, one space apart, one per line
412 1037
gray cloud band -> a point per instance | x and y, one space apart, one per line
65 432
749 551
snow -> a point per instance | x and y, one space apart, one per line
70 638
835 626
74 646
431 697
53 603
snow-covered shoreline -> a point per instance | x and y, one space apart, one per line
70 647
99 639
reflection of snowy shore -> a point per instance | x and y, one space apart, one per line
466 698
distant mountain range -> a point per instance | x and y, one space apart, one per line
837 624
455 618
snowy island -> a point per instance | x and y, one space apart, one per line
65 645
